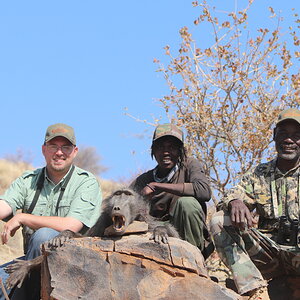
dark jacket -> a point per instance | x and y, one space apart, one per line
190 173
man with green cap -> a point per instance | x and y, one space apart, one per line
57 197
177 187
255 255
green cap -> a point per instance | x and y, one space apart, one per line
167 129
289 114
60 129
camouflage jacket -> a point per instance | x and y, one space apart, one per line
269 191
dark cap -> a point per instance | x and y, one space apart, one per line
60 129
289 114
167 129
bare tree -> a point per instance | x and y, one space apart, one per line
20 156
228 95
88 159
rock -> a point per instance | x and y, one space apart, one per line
129 267
134 227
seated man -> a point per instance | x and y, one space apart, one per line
52 199
272 189
177 187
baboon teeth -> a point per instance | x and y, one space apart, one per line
118 222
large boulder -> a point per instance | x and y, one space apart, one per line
129 267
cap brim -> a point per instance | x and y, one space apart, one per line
58 135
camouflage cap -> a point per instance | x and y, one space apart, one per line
60 129
167 129
289 114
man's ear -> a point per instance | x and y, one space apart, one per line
75 151
43 149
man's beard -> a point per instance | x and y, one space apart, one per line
59 168
289 156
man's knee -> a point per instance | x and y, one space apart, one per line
218 221
189 206
39 237
42 235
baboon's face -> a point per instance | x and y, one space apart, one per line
122 210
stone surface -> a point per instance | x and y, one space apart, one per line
128 267
134 227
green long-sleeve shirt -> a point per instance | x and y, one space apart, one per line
81 199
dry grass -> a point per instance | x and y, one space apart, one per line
8 172
108 186
14 247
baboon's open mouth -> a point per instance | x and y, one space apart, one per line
118 223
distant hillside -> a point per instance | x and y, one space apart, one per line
9 171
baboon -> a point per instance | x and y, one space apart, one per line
120 209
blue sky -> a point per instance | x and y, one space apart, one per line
84 62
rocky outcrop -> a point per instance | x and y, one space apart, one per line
129 267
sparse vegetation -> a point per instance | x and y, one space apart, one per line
226 94
88 159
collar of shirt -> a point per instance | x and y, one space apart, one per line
60 182
168 177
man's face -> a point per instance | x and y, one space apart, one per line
59 154
287 140
166 151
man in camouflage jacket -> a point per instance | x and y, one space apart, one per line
273 190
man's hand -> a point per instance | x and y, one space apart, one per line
10 228
240 214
